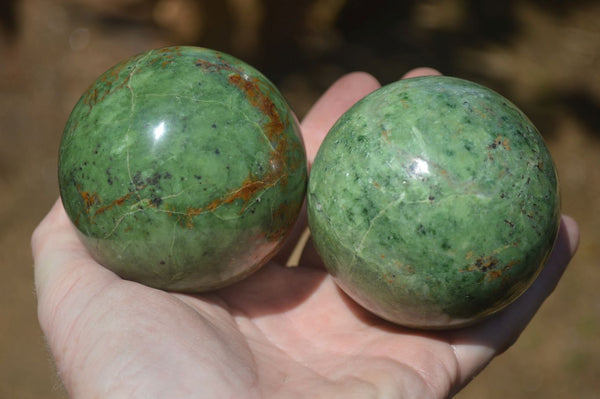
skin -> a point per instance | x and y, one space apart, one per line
281 333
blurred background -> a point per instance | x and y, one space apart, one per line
544 55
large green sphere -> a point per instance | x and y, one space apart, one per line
182 168
434 202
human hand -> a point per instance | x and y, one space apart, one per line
281 333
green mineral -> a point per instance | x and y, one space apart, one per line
433 202
182 168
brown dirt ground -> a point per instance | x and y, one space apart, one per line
544 55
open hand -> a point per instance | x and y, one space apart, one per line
281 333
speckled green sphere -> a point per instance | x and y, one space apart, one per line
434 202
182 168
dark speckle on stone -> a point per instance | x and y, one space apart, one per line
156 201
154 180
137 179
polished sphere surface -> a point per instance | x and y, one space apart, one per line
433 202
182 168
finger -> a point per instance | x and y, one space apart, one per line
62 266
476 346
333 103
320 118
327 110
338 99
423 71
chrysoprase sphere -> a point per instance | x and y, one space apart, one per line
434 202
182 168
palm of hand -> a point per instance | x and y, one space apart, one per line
283 332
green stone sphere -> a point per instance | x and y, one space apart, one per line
433 202
182 168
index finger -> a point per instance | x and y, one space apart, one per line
331 105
